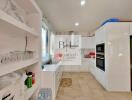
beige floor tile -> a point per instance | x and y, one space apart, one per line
60 91
85 87
86 91
73 92
67 75
81 98
65 98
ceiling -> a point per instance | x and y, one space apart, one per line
62 14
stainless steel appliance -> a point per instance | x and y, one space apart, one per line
100 56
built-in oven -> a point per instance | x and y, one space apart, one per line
100 62
100 56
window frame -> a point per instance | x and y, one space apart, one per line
46 58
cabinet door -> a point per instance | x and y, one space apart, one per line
91 42
130 27
92 67
88 42
67 68
75 68
118 57
85 65
117 30
100 35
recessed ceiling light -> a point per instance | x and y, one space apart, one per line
77 24
83 2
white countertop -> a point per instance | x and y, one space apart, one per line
51 67
89 59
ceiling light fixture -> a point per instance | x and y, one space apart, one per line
83 2
77 24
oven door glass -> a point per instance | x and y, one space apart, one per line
100 63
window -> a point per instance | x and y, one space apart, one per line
45 54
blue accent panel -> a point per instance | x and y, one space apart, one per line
111 20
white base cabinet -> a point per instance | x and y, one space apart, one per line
51 78
92 66
87 65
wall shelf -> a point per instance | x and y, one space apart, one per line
13 38
8 68
13 25
29 6
29 92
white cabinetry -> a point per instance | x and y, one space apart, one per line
130 27
85 65
51 78
88 64
71 68
100 34
88 42
92 66
118 57
116 37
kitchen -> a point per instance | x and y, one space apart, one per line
65 50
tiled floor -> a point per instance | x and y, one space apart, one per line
85 87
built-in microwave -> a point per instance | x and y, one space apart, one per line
100 48
100 56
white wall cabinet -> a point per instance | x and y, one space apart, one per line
100 34
116 37
88 42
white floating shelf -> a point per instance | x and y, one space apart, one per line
8 68
29 92
9 23
29 5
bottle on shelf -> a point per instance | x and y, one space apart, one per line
30 79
